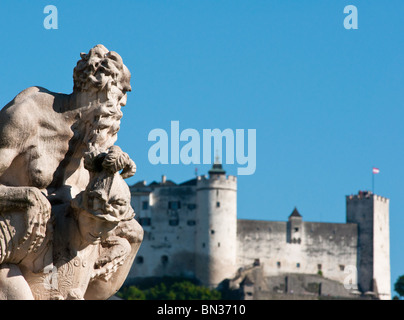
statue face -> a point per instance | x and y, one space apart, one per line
111 205
103 210
118 96
93 228
104 203
100 211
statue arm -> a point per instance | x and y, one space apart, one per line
15 129
9 196
9 144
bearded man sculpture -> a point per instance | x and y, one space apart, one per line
45 138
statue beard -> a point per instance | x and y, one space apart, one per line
102 126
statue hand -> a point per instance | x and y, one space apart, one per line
129 170
115 251
112 161
35 212
117 160
38 214
38 199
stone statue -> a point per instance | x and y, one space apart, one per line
66 225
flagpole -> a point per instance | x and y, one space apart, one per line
374 171
373 182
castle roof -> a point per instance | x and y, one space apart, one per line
191 182
168 183
217 168
139 184
165 183
295 213
142 184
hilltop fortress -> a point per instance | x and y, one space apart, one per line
191 230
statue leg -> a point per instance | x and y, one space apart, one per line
12 284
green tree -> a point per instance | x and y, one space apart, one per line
186 290
131 293
160 292
170 289
399 286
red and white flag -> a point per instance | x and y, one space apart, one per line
376 170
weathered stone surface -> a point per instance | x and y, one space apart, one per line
66 225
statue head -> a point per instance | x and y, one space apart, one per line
102 80
101 69
106 200
99 210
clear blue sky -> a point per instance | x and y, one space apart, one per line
327 103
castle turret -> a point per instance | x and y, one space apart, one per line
371 213
294 227
216 226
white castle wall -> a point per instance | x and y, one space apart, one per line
168 245
328 247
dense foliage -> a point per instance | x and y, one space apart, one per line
399 286
169 290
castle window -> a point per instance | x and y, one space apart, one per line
191 206
203 245
191 222
298 265
164 259
218 244
174 205
218 204
212 231
173 222
296 229
319 266
139 260
145 221
278 264
298 241
145 205
341 267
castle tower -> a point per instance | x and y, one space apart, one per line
216 226
294 227
371 213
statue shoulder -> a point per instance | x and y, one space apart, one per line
33 95
28 93
21 114
28 104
